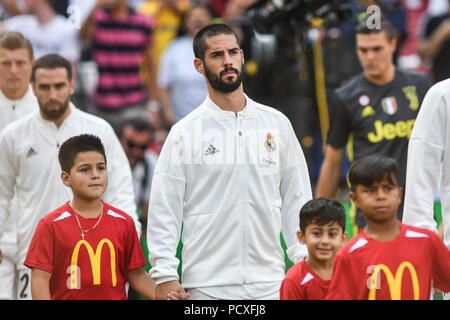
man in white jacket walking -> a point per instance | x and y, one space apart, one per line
28 158
428 162
233 173
16 101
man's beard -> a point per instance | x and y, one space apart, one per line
54 114
220 85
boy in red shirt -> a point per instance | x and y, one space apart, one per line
87 249
322 229
388 259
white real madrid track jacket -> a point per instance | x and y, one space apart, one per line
429 161
13 110
29 160
234 182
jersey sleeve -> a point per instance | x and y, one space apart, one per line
8 173
426 150
441 264
41 251
166 209
343 284
295 191
290 290
134 257
339 122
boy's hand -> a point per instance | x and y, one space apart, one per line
1 256
174 295
162 290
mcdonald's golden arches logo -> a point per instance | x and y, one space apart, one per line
394 281
95 259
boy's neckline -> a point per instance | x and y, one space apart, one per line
318 272
97 211
384 239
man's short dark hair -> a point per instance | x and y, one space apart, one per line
51 61
322 211
75 145
365 26
138 124
12 40
207 32
372 169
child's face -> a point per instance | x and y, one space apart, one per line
88 177
323 242
380 201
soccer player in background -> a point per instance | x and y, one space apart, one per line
28 164
17 100
373 112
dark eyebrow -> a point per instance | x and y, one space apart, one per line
216 52
84 165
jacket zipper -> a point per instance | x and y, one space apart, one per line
242 165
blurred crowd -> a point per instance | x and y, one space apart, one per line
134 61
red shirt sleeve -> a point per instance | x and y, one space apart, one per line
134 255
40 253
441 264
290 290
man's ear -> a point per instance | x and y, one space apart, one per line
72 86
65 179
198 64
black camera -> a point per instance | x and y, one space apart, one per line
279 15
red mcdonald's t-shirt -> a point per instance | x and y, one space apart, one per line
93 268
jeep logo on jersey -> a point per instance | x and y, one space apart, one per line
389 131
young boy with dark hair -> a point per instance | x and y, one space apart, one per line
87 249
388 259
322 229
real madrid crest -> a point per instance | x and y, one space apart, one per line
270 143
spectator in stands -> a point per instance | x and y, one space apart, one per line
182 88
435 45
47 31
9 8
167 16
135 135
120 41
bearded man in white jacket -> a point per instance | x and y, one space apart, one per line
234 174
29 163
